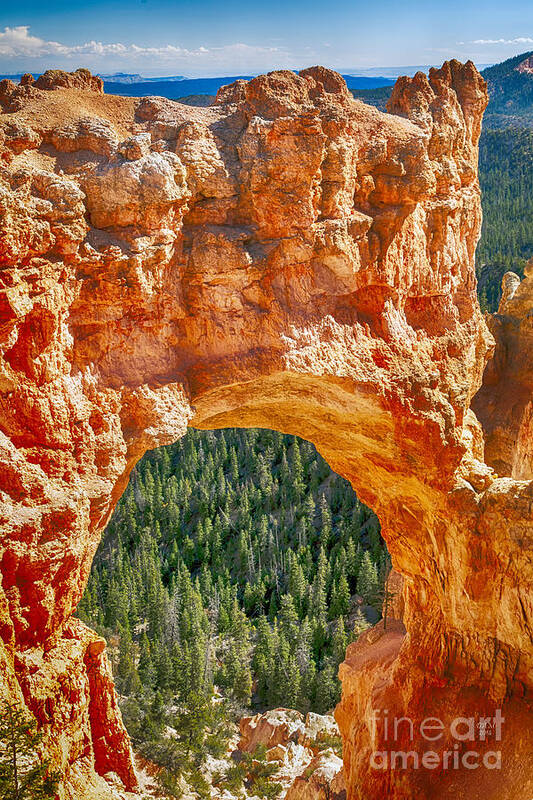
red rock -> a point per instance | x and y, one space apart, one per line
503 404
287 258
58 79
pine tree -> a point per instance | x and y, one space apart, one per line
360 624
164 669
339 642
367 582
352 564
309 511
145 668
298 483
327 690
319 595
325 522
297 583
24 775
288 618
234 466
342 597
128 681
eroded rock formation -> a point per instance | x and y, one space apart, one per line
288 258
301 746
504 403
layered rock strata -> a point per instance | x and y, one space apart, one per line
287 258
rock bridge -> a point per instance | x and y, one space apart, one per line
288 258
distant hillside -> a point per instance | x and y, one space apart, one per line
374 97
506 177
171 88
510 86
358 83
511 83
176 88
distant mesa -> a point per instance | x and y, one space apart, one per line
135 77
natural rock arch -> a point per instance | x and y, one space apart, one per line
288 258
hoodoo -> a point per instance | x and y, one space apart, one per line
287 258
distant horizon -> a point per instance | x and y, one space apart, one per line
201 38
390 72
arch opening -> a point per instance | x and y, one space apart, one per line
235 559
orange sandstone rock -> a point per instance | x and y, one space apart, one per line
323 779
277 727
288 258
503 404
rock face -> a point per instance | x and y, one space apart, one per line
308 768
322 780
281 726
503 404
287 258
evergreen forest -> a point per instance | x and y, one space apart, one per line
237 562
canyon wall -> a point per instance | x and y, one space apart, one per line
287 258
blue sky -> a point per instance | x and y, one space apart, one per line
205 37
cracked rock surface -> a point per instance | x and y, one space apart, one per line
287 258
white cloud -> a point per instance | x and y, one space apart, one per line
19 45
518 40
18 42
